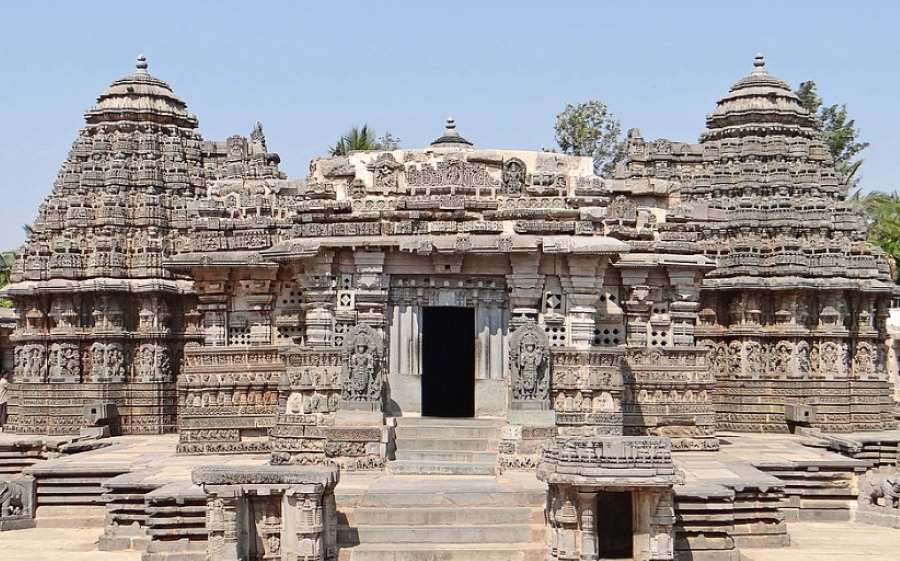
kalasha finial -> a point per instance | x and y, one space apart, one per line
759 64
141 63
451 124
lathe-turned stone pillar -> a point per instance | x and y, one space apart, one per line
319 300
637 307
371 288
581 290
526 285
685 283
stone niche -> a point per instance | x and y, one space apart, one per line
609 497
269 513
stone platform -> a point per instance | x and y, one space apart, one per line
759 497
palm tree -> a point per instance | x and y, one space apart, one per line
357 138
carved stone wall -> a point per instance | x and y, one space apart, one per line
794 311
743 244
228 398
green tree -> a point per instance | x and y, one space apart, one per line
387 141
882 213
840 131
590 129
363 138
6 263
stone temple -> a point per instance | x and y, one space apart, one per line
451 352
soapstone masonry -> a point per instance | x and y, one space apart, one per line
599 325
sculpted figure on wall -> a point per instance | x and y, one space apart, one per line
64 362
362 352
514 176
108 362
153 363
529 351
31 363
386 171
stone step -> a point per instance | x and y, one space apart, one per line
447 422
70 517
412 467
436 516
445 552
444 444
414 432
446 456
421 534
458 499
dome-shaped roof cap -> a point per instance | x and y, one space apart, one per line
140 97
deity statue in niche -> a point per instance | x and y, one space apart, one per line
362 351
529 352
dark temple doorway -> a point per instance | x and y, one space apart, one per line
615 533
448 362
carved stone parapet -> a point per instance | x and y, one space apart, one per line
582 472
287 511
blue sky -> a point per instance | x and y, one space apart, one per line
502 69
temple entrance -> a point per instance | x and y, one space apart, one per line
448 362
615 532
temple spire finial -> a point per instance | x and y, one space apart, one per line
141 63
451 135
759 64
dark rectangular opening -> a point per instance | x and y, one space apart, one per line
448 362
615 533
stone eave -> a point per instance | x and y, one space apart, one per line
200 259
468 244
636 260
8 318
793 283
100 284
610 478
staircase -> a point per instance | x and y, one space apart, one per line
446 446
442 500
403 518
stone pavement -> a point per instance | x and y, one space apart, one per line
71 544
153 454
834 541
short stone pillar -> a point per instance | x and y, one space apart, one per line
609 497
284 513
